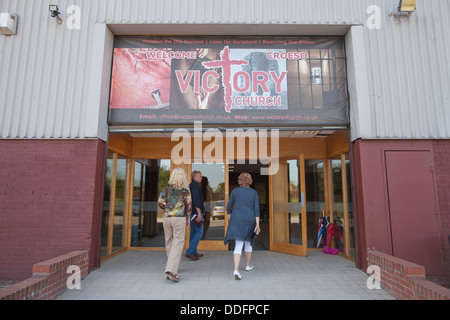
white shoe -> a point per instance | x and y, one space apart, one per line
237 275
247 268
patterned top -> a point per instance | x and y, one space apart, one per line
177 202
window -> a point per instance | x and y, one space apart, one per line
315 198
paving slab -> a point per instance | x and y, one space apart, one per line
139 275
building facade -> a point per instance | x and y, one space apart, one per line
78 174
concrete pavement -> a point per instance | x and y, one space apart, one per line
139 275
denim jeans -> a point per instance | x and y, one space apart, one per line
196 235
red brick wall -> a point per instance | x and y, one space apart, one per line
405 280
50 199
441 150
49 278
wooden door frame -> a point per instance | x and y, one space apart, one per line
293 249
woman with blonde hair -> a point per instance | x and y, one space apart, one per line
175 201
243 210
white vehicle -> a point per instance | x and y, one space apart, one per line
219 210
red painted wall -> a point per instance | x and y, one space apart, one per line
50 202
413 208
376 228
441 150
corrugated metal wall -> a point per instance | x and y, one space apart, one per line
45 69
230 11
44 72
409 72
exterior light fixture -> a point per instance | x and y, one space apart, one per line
53 8
405 7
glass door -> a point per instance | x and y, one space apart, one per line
214 190
287 207
114 211
150 177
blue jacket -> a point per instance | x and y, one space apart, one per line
243 207
197 198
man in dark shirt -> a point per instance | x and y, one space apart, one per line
198 208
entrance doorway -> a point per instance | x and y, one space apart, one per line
213 191
312 181
261 185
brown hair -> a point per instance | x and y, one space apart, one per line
245 179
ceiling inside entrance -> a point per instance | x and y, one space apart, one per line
282 133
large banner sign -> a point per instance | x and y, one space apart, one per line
229 81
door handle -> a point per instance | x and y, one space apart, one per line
225 203
303 199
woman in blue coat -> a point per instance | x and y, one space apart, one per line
243 211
